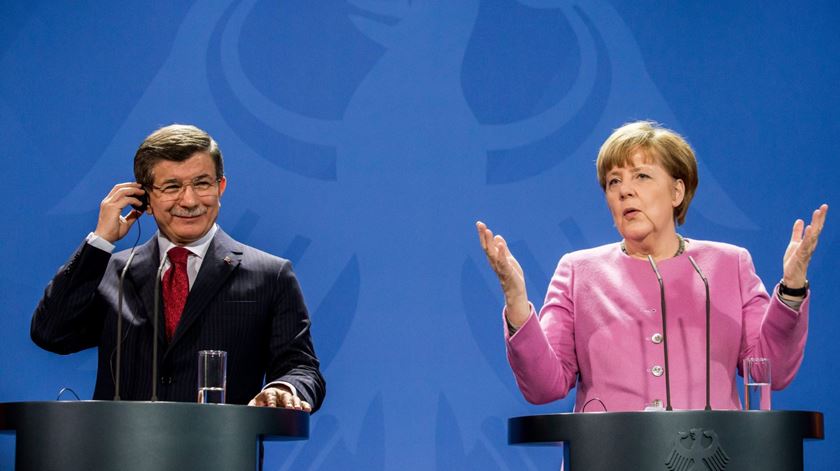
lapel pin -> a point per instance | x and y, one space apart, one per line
228 260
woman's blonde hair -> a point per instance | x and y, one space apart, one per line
667 147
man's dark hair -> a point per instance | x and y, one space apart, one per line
177 143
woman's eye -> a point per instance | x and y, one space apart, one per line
612 182
643 175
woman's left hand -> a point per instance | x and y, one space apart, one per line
801 247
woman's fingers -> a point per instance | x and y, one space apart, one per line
818 220
796 232
502 254
481 227
488 241
485 235
811 234
819 216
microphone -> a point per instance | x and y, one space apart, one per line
155 329
120 295
664 334
708 324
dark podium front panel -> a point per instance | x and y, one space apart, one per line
673 441
129 436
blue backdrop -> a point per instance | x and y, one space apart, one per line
362 140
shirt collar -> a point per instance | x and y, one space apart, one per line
198 248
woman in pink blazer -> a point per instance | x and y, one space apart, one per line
600 328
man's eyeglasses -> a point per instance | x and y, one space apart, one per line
201 187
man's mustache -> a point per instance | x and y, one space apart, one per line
188 212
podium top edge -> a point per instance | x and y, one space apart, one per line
674 412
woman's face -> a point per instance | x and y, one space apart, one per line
642 197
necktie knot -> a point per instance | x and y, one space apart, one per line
178 255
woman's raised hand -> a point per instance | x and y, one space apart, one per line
509 272
801 248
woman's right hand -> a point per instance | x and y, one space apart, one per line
510 275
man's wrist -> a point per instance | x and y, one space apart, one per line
282 385
97 241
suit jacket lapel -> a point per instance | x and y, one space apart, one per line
221 259
142 275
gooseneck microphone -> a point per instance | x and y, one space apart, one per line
664 334
708 335
120 296
155 323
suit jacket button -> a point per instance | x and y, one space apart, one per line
657 370
656 338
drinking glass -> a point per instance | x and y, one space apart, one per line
212 376
756 384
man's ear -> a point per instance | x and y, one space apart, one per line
222 186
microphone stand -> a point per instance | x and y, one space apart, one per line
708 335
120 294
155 330
664 334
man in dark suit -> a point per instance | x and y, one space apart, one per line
216 293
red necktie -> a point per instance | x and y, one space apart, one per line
176 287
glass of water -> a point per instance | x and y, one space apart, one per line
756 384
212 376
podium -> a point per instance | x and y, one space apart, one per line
143 436
673 441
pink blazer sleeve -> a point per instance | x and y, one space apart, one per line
771 329
542 352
